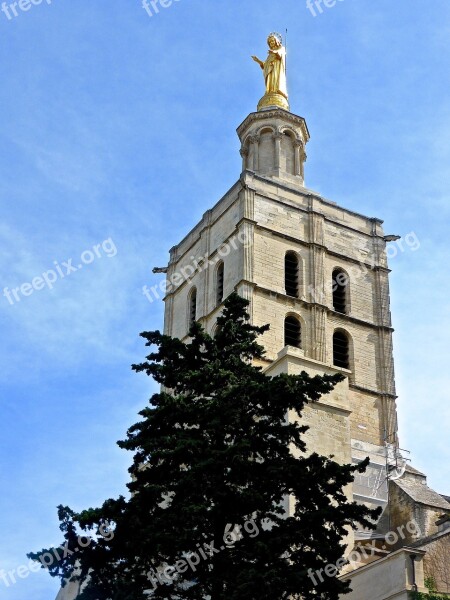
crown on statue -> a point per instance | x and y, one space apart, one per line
277 36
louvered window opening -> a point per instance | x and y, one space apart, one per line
291 275
340 292
193 308
220 277
292 332
341 350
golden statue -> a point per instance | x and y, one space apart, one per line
274 74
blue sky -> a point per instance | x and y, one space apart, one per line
120 126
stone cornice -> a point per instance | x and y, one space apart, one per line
278 113
330 312
378 393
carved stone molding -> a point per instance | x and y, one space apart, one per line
279 115
254 139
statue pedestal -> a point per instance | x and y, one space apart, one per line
273 99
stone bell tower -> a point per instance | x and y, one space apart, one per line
315 271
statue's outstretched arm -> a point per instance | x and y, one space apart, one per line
260 62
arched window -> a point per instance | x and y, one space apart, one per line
192 307
340 291
292 332
219 283
341 350
291 273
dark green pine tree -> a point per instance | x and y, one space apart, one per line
212 472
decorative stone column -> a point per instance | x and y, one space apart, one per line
244 153
298 146
303 158
254 152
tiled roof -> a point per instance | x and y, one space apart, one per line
411 469
421 493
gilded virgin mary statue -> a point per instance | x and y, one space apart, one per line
274 74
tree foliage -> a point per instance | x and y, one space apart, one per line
216 463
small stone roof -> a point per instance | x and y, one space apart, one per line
411 469
446 498
422 494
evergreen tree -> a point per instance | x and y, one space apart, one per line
215 463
